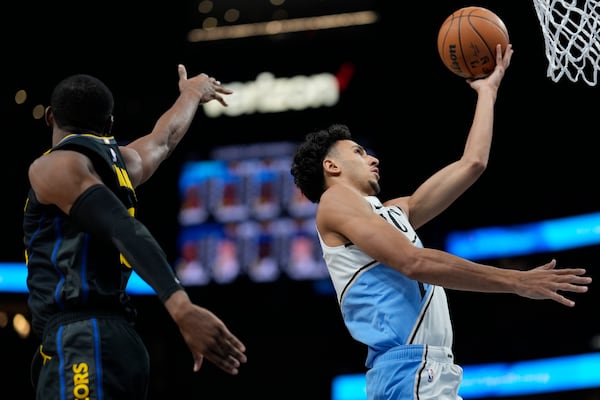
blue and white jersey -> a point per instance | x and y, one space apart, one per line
380 306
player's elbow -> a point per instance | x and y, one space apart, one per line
408 263
475 167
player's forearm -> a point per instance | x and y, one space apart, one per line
452 272
479 141
168 131
100 213
172 126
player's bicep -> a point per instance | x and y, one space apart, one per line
134 164
143 156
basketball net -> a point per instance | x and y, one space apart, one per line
571 34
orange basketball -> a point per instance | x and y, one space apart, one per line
467 41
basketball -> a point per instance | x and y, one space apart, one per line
467 41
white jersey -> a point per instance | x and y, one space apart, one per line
380 306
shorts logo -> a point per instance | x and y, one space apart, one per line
81 381
430 375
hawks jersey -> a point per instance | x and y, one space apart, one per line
380 306
68 268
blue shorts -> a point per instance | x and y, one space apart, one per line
414 372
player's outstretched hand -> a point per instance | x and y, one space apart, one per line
547 282
206 335
207 87
502 64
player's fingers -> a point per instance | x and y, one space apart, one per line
508 54
232 346
562 300
220 99
227 363
549 265
232 349
237 344
582 280
182 72
499 54
221 89
198 362
573 286
573 271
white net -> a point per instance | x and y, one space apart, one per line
571 30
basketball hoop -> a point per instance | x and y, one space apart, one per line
571 30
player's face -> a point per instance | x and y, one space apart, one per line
359 167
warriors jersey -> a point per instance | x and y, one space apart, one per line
380 306
68 268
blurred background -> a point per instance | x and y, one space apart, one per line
399 100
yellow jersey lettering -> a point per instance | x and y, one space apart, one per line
81 381
123 177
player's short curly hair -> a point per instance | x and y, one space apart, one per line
307 164
82 104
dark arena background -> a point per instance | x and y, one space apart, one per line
398 99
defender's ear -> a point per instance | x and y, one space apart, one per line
108 126
48 116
